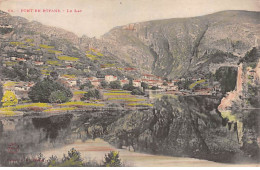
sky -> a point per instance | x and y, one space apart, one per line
99 16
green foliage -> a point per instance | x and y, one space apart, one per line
112 159
21 72
115 84
154 88
254 95
128 87
9 99
144 85
54 75
227 76
165 84
72 159
58 97
42 91
87 84
52 161
131 82
184 84
251 58
104 84
93 93
137 91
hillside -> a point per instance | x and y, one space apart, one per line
42 49
186 46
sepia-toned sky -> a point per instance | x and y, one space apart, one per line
99 16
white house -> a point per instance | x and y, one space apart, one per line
13 58
137 83
110 78
123 82
21 88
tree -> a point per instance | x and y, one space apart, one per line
103 84
165 84
42 91
93 93
88 84
184 84
54 75
115 84
58 97
137 91
112 159
144 85
131 82
154 88
73 159
227 76
9 99
128 87
23 72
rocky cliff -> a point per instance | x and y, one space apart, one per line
186 46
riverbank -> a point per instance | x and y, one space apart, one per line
96 149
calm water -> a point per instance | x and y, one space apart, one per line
56 135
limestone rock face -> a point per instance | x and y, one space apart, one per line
186 46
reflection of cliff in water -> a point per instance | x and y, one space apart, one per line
189 126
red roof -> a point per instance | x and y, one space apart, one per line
20 59
129 69
145 80
155 81
124 80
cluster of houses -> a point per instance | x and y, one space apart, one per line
157 81
151 80
17 53
20 89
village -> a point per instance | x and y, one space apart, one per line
31 54
152 86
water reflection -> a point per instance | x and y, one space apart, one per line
37 134
52 125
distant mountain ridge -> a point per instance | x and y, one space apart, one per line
56 50
186 46
37 27
173 48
